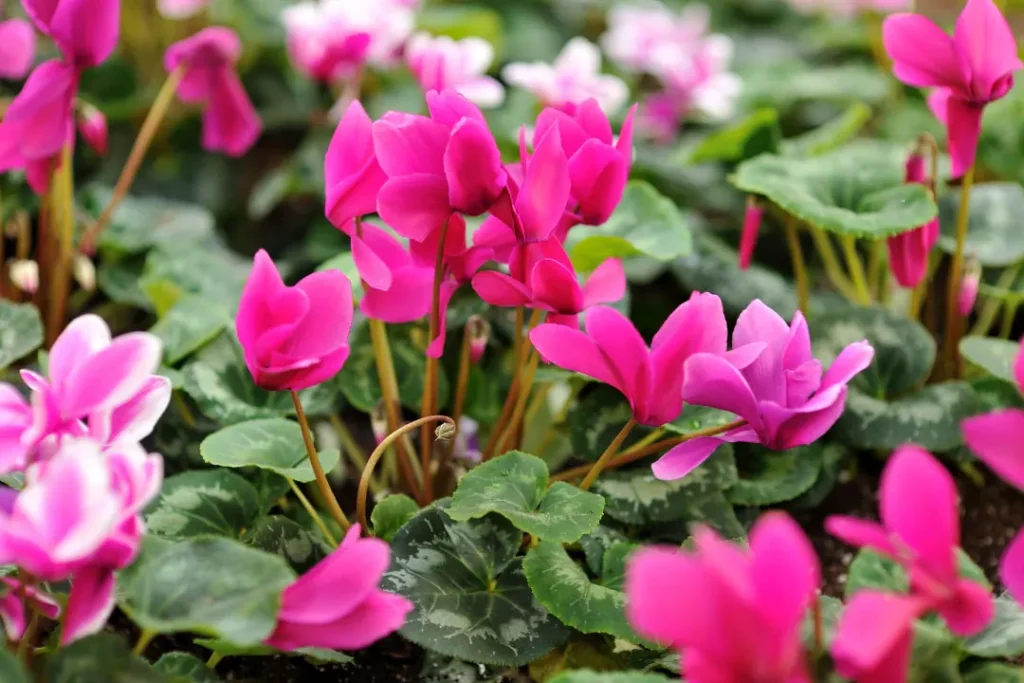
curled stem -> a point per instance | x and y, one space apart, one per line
378 452
956 272
318 470
608 454
328 536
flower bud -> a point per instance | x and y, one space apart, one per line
84 271
751 226
379 421
445 431
24 273
92 125
479 332
969 287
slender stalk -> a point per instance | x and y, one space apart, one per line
428 403
537 402
183 410
608 454
519 349
525 383
956 272
462 386
853 262
819 628
633 454
558 419
145 638
318 470
876 259
378 452
131 167
827 253
62 215
1009 315
990 310
351 448
799 267
328 536
214 660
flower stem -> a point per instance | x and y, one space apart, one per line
321 477
214 660
525 383
1009 315
608 454
462 386
853 262
355 454
131 167
799 267
827 253
145 638
519 349
956 271
62 203
378 452
428 404
328 536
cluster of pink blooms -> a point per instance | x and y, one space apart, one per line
849 8
736 614
676 48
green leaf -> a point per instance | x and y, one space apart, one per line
515 486
180 666
872 570
637 497
995 237
190 324
315 655
21 331
119 280
856 190
757 134
994 356
831 135
695 418
391 514
211 271
596 419
993 672
613 569
596 544
716 511
102 658
471 596
584 676
930 418
783 85
645 223
460 22
904 349
563 588
771 477
1003 638
281 536
273 444
141 223
11 670
211 586
935 655
203 502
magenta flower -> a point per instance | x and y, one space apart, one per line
613 352
398 288
598 166
323 42
352 174
873 638
751 228
908 251
358 613
15 419
771 380
230 122
436 166
573 78
17 48
970 69
12 606
920 529
85 31
293 337
440 63
92 126
734 613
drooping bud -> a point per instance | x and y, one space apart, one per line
445 431
92 125
478 330
24 273
909 251
84 271
751 226
969 285
379 421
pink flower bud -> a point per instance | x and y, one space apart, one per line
24 273
479 332
379 422
92 125
969 287
751 226
84 271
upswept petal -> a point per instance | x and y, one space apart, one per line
545 190
923 54
606 285
986 45
414 205
994 437
112 376
627 355
785 569
472 166
712 381
571 349
1011 568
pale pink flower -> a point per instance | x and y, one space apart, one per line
574 77
180 9
322 40
636 31
17 48
440 63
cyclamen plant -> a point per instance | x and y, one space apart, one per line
507 411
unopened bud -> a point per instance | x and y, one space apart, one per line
92 125
751 227
84 272
969 285
915 168
24 273
445 431
379 421
479 332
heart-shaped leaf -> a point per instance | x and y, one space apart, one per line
190 324
471 596
273 444
597 418
391 514
771 477
856 190
870 570
831 135
212 586
314 655
141 223
771 83
1004 636
102 657
203 502
185 668
609 677
21 331
993 672
757 134
995 356
515 486
994 236
11 670
281 536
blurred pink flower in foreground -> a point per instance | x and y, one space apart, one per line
440 63
181 9
612 351
296 337
751 227
873 639
574 77
637 32
734 613
771 380
908 251
17 48
969 70
92 126
970 283
358 614
230 122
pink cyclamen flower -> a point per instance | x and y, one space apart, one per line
12 606
967 294
735 614
358 614
15 419
351 171
322 42
920 529
873 638
908 251
436 166
573 78
230 122
85 31
478 330
398 288
92 125
180 9
17 48
970 69
771 380
440 63
636 32
751 228
613 352
293 337
699 78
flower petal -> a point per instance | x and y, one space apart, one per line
923 54
994 438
